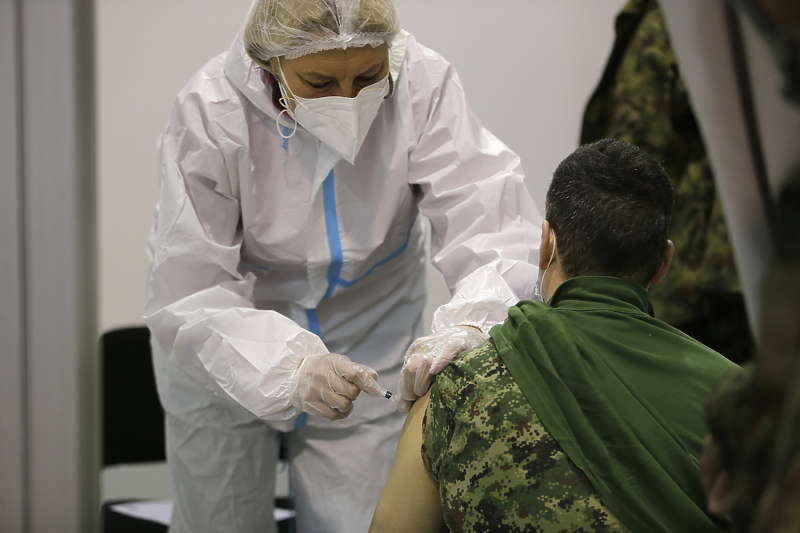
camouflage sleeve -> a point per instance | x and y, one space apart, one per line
497 467
438 424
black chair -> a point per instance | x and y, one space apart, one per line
133 419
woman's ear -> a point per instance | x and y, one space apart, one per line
662 270
546 246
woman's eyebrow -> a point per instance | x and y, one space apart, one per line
372 70
314 74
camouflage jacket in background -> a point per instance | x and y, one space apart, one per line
642 99
498 468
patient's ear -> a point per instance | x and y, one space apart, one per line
662 270
546 247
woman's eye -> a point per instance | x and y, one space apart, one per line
367 81
322 85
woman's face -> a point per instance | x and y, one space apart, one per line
334 72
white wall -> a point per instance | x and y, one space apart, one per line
528 67
146 52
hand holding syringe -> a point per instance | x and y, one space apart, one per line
384 393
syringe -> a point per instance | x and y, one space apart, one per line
389 395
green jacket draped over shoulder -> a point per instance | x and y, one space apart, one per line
622 393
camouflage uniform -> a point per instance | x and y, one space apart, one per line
499 469
642 99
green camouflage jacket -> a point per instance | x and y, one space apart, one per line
642 99
498 468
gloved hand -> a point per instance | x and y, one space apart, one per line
427 356
326 385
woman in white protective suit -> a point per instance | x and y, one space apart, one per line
288 258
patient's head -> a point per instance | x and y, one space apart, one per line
609 206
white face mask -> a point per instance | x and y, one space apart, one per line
537 289
339 122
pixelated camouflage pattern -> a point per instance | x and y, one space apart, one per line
642 100
498 468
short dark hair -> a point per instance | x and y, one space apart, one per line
610 205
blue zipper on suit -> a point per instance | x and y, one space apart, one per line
337 260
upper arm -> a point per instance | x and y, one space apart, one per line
410 500
196 240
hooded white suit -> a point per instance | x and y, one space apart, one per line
267 249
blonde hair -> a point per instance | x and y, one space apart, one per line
293 28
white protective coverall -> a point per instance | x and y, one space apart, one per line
267 249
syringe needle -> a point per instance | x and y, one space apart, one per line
389 395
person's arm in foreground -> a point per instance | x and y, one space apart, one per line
410 500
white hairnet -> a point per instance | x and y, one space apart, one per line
293 28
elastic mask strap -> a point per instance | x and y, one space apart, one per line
391 87
552 255
281 76
278 120
283 100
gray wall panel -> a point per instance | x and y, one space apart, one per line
12 428
50 438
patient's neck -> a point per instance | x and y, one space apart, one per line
552 279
